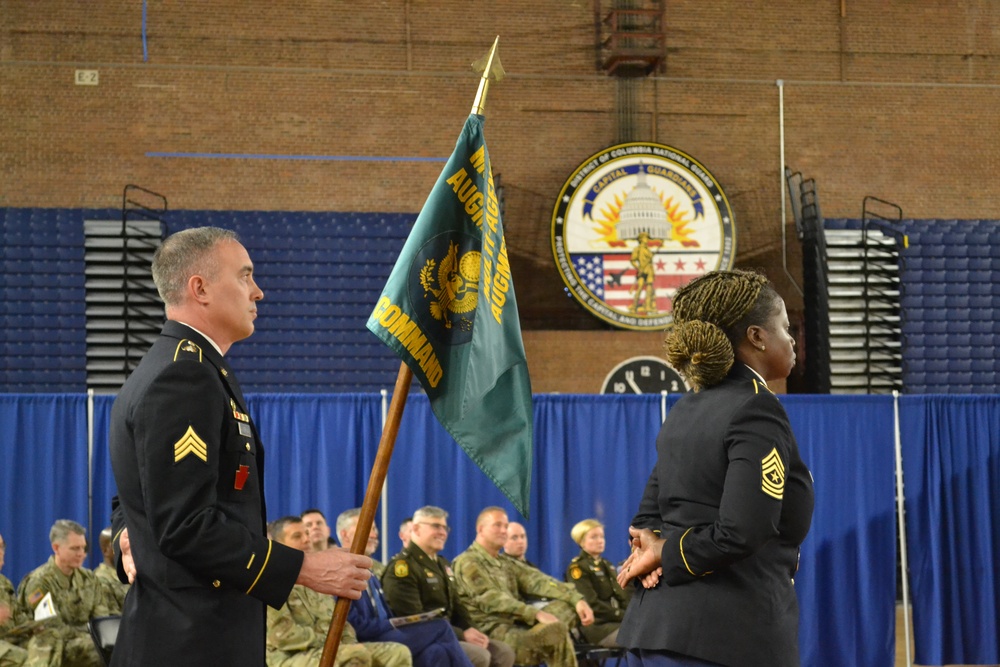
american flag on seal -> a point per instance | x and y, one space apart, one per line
610 277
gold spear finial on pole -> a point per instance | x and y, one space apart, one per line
490 66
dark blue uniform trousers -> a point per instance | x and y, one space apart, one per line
644 658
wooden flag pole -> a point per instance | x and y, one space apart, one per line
491 68
372 495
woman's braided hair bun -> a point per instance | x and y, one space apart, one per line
702 342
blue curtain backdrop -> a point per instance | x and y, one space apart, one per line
43 473
103 481
592 457
318 449
951 461
847 569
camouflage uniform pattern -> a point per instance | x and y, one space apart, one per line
493 589
297 632
114 590
65 640
10 654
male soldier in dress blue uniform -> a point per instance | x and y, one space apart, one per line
189 467
432 642
419 579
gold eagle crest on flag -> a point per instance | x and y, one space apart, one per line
454 286
772 475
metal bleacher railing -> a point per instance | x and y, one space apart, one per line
881 293
124 313
804 198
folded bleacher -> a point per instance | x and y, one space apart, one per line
951 306
321 273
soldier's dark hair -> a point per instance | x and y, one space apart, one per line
277 527
184 254
313 510
63 527
711 316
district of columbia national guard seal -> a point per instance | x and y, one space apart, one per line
634 223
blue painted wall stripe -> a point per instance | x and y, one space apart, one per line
327 158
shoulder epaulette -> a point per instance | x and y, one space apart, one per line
187 350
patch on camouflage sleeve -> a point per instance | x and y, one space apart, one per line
35 597
772 475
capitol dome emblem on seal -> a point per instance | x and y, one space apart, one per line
634 223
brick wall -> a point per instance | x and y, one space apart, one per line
884 98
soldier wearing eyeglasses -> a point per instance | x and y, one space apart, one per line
419 579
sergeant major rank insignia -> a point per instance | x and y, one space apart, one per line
772 475
634 223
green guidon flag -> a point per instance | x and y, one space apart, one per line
448 311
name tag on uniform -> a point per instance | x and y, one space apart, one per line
245 429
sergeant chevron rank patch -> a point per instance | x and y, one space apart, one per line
190 443
772 475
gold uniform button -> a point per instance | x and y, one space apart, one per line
248 446
216 583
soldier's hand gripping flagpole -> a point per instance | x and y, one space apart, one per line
491 67
375 482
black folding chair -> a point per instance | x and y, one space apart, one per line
104 632
593 655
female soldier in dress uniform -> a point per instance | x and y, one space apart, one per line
716 538
595 578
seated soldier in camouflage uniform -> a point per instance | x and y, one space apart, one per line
106 574
516 545
76 596
493 589
317 529
10 654
296 633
